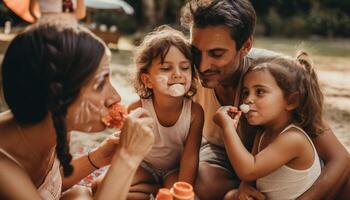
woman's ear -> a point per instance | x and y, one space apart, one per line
146 80
292 101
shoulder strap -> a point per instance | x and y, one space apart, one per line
10 157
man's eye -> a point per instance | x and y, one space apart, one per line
216 53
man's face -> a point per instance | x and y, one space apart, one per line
216 57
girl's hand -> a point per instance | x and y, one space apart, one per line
137 138
246 191
227 116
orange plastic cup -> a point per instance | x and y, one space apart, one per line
164 194
182 191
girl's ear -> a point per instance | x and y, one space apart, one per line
146 80
292 101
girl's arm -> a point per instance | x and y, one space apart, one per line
190 156
134 105
248 189
14 181
283 149
336 170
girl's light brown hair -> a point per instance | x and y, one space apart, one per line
156 44
297 77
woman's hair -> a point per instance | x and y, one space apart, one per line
238 15
297 78
156 45
43 71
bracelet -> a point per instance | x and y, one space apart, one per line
88 157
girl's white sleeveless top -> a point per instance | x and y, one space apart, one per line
286 182
169 141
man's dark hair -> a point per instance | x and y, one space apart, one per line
238 15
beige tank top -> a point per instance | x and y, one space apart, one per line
51 188
169 141
288 183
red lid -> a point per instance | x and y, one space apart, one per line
164 194
182 190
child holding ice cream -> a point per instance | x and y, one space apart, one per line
165 84
285 102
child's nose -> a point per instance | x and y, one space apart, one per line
249 101
177 74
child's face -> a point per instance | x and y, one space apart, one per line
171 78
264 97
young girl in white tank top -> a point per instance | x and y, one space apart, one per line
285 102
165 83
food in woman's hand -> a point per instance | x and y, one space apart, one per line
116 116
244 108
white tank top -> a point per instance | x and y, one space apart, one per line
169 141
286 182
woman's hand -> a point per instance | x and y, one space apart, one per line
227 116
103 155
136 137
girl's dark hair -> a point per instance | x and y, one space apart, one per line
43 71
297 77
157 44
238 15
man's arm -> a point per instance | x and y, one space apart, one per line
335 172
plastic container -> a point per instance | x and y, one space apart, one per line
182 191
164 194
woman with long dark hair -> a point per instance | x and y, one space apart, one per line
56 79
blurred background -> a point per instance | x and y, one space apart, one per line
321 27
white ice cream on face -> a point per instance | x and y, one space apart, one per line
244 108
177 90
